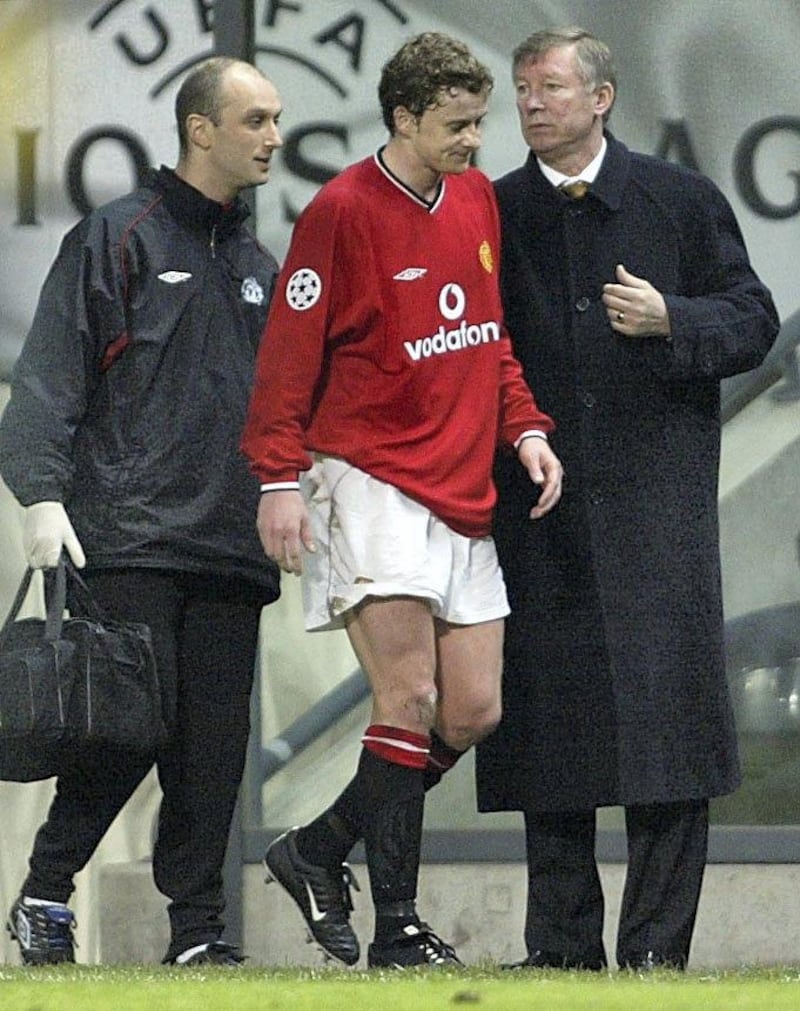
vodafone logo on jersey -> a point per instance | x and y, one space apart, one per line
452 303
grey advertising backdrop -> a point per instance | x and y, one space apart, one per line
86 98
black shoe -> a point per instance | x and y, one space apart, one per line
415 945
322 895
650 960
44 933
554 960
215 953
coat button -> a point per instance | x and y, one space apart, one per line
589 400
582 304
595 498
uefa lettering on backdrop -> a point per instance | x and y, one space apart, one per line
105 116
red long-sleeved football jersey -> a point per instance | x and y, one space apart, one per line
385 345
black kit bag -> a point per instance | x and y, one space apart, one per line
68 684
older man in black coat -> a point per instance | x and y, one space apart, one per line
627 304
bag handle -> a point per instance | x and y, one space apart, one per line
83 595
55 600
55 582
55 593
19 600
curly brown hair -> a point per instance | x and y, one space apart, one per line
425 66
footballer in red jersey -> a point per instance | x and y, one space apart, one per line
385 383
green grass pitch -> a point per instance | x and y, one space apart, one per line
142 988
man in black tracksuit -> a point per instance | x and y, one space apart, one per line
121 442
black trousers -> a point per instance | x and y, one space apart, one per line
205 631
667 852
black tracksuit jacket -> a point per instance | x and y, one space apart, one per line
130 393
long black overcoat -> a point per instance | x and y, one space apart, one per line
614 682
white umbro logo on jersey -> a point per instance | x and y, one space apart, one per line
303 289
174 276
411 274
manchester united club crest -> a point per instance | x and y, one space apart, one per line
485 256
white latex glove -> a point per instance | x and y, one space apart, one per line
46 531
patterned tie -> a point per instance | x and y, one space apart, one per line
576 190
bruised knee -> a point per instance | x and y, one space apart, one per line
412 706
423 703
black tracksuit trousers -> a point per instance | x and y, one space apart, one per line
205 631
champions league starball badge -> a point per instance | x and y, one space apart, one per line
303 289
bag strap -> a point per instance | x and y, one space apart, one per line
83 595
55 595
55 600
22 593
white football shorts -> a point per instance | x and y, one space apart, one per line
374 541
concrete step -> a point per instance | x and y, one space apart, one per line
749 914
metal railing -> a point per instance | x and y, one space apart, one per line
268 759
